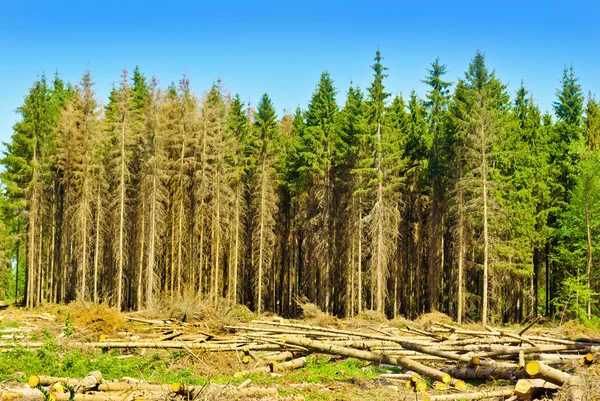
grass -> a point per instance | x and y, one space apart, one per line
9 324
163 367
52 360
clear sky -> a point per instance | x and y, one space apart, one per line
281 47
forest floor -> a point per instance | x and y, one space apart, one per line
41 342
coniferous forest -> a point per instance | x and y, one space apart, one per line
470 201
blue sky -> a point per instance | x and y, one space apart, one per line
282 47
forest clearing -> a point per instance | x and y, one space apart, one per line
90 352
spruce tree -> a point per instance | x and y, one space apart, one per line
479 112
320 145
264 199
438 97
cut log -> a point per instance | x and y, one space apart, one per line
328 330
539 370
128 387
170 336
436 352
86 384
282 356
224 391
521 359
526 389
407 363
487 372
575 389
395 376
537 349
478 395
36 395
274 367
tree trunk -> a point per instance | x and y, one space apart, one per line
97 246
120 251
589 244
484 311
151 247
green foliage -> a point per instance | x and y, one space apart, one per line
69 328
573 298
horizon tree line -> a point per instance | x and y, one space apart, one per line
469 201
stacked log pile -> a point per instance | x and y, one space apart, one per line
437 362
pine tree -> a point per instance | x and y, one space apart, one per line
221 201
120 119
353 128
264 202
154 190
237 131
26 166
320 145
480 104
437 106
379 159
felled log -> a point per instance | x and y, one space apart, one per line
587 359
395 376
575 388
282 356
328 330
127 387
407 363
487 372
207 347
36 395
222 391
529 388
537 349
275 367
537 369
478 395
436 352
88 383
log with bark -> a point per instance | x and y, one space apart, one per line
405 362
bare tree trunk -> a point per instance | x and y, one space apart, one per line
97 246
120 251
51 292
379 222
84 250
180 244
261 234
360 283
461 256
217 237
141 258
40 275
589 244
484 312
151 247
236 245
31 251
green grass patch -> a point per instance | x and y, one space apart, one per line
54 360
9 324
